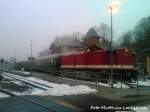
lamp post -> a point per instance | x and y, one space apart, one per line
15 60
31 57
113 8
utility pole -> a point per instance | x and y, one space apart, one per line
31 57
15 60
111 48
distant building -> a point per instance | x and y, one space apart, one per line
91 38
67 43
62 45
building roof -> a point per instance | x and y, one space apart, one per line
91 33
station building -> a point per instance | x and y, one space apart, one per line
90 39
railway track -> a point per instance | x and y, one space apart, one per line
81 75
51 107
27 81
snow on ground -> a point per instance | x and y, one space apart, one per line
24 79
142 109
3 95
142 83
103 84
24 72
56 90
17 82
6 77
13 81
117 85
63 89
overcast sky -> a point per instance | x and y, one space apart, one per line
41 20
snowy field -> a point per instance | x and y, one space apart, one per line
142 83
55 90
3 95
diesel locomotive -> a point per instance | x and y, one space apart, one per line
91 60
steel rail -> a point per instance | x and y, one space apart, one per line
29 82
16 75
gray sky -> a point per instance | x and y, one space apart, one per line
41 20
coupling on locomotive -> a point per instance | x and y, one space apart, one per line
91 56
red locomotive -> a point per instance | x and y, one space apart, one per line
98 60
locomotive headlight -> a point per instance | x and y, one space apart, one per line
88 50
126 54
126 50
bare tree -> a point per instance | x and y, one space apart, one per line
142 34
103 30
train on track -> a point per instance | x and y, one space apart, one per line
85 62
